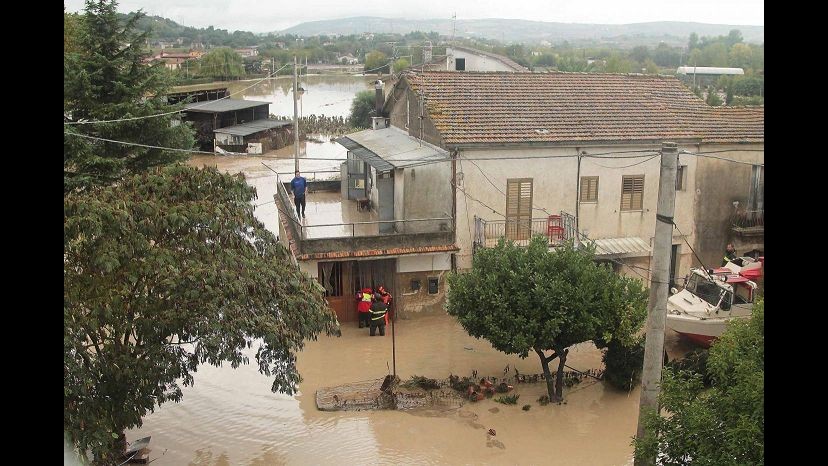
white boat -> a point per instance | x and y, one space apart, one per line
710 299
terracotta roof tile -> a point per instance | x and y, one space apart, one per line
508 107
378 252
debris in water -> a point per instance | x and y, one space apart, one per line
526 407
494 410
468 348
508 399
491 432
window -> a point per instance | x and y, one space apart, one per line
680 174
632 192
330 275
518 208
589 189
460 64
432 285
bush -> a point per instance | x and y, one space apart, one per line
623 364
362 109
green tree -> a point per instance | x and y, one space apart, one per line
640 54
573 64
732 410
618 64
162 272
222 63
533 299
693 41
104 78
650 66
362 109
376 62
740 56
401 64
713 98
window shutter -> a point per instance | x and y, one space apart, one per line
518 208
632 192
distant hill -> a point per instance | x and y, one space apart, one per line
518 30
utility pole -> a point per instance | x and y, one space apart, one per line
657 305
295 117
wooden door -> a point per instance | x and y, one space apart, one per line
335 277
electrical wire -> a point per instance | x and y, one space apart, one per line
706 154
625 166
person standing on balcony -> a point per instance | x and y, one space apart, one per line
299 185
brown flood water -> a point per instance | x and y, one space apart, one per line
231 416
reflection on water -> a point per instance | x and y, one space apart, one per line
231 417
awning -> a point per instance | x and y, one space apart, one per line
613 248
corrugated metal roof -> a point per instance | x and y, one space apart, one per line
708 70
389 148
621 247
225 105
252 127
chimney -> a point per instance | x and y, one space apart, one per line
379 99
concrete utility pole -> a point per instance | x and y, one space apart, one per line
295 117
657 306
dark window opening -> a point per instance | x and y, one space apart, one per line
460 64
432 285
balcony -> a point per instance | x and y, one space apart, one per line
556 228
334 224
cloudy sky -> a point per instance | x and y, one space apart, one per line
267 16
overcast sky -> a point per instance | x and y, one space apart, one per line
269 15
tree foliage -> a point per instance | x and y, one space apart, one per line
222 63
104 78
401 64
165 271
362 109
376 62
533 299
724 424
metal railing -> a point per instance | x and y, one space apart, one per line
311 175
557 230
749 219
355 229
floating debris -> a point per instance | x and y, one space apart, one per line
526 407
508 399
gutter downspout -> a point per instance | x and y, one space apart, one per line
454 205
578 199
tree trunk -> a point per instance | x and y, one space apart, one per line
560 376
115 454
548 375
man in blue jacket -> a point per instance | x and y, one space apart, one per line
298 185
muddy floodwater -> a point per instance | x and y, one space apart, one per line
231 417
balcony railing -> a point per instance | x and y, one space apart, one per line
556 228
353 236
749 219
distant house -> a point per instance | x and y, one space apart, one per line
234 123
459 58
172 61
248 52
348 59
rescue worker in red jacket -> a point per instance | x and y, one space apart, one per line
387 299
364 306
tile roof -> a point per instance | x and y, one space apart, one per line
557 107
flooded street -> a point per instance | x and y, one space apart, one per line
231 417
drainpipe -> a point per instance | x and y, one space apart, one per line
454 203
578 199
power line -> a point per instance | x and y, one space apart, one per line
706 154
173 112
626 166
